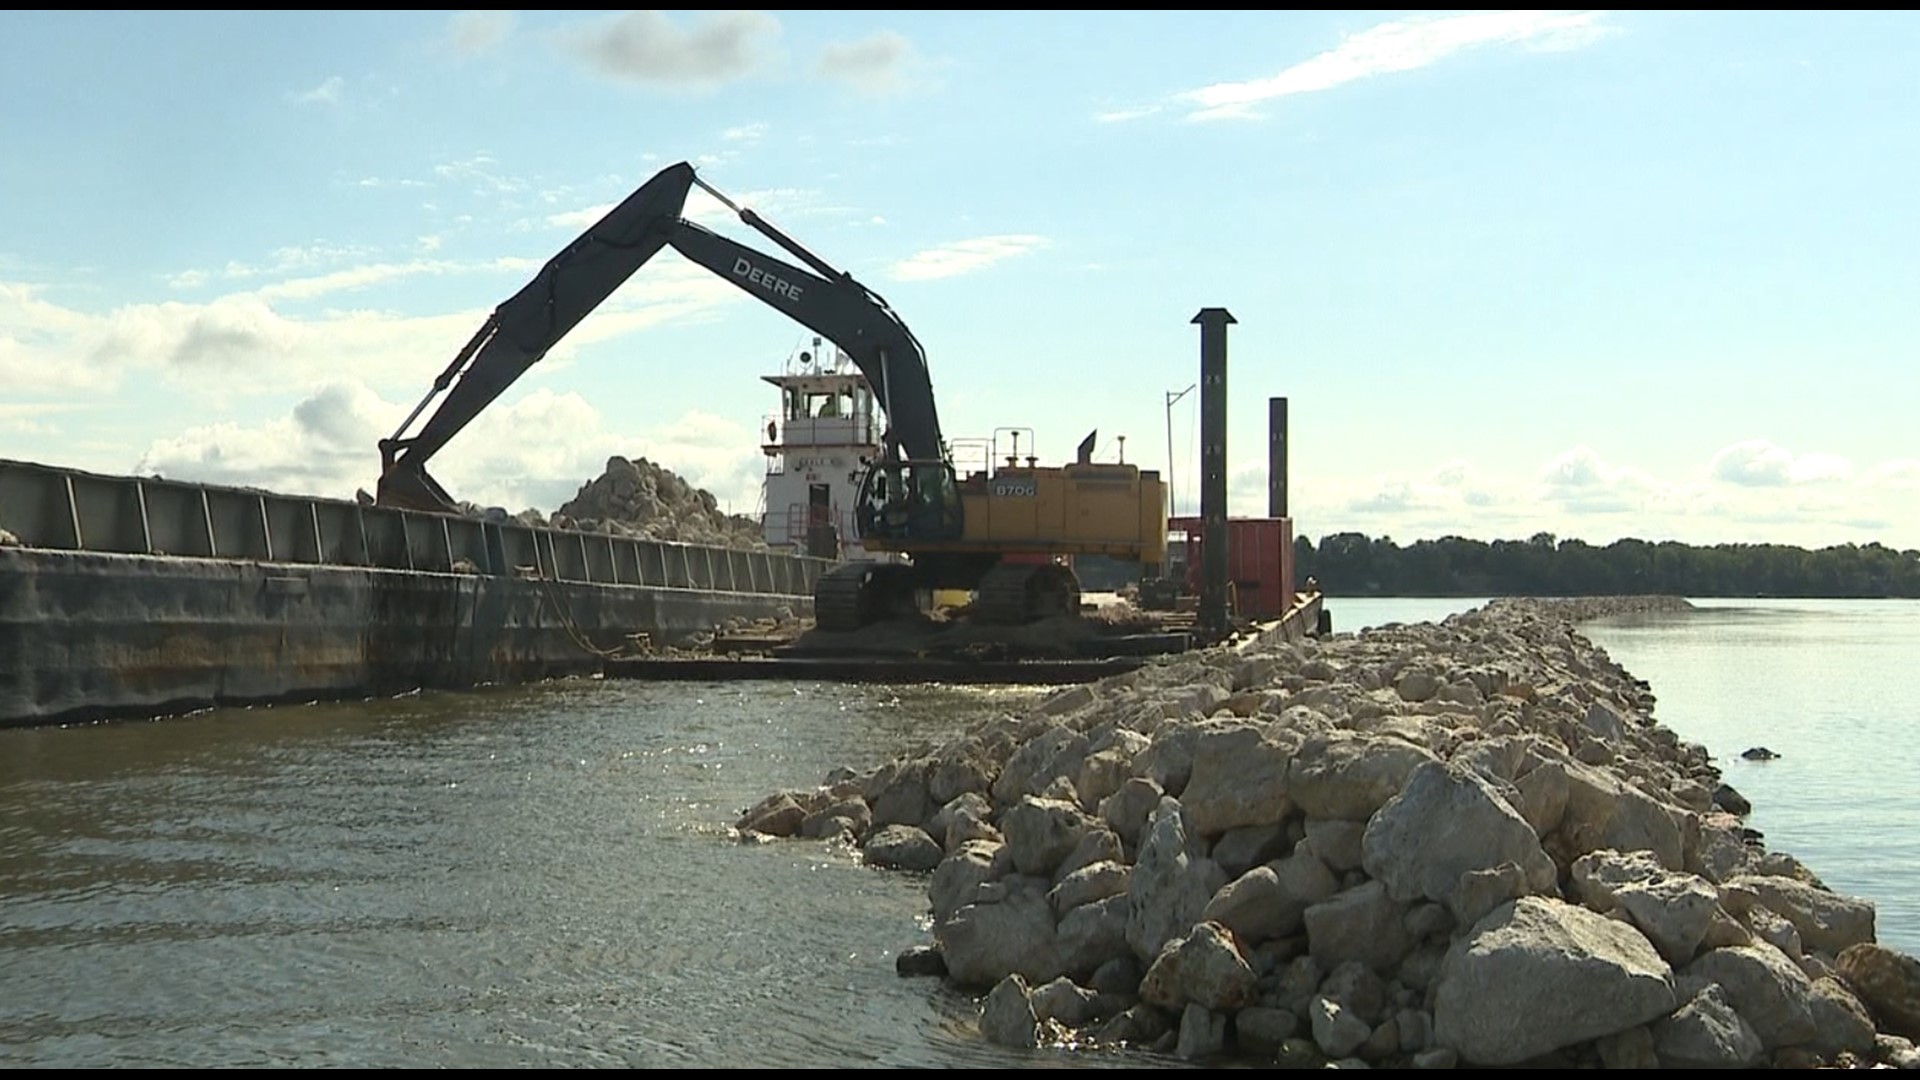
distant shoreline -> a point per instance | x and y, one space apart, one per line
1334 594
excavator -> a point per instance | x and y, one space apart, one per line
1005 533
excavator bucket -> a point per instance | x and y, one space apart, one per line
410 488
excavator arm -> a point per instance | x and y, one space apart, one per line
521 330
578 279
844 312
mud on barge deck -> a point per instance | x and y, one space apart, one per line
127 596
905 651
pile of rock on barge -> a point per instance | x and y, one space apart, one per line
1433 845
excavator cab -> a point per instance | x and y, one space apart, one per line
903 504
902 500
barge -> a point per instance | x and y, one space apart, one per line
126 596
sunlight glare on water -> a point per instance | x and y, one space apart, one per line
540 876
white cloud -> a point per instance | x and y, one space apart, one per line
744 133
257 341
283 260
875 64
33 417
1580 468
535 451
1759 463
1119 116
704 208
234 335
240 344
965 256
1900 474
232 332
580 219
320 449
37 339
648 47
35 332
1402 45
327 93
475 32
1441 493
1579 493
479 174
669 289
1755 463
308 256
354 278
768 202
381 182
1582 482
27 410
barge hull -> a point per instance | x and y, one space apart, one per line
86 636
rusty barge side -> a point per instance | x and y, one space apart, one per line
128 596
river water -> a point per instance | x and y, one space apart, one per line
521 877
543 876
1829 686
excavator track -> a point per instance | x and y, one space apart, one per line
1011 594
858 594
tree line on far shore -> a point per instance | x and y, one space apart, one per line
1352 564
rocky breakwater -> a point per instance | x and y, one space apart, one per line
1463 843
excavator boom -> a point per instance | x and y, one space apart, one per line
521 330
578 279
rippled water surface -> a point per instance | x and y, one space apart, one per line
530 877
543 876
1829 686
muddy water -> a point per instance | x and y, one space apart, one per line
530 877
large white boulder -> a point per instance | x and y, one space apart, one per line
1539 974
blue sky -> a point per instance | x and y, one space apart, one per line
1602 274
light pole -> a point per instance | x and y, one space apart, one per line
1173 509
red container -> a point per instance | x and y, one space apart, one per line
1259 563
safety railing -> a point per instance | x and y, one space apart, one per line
807 431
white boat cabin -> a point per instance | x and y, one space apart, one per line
817 446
